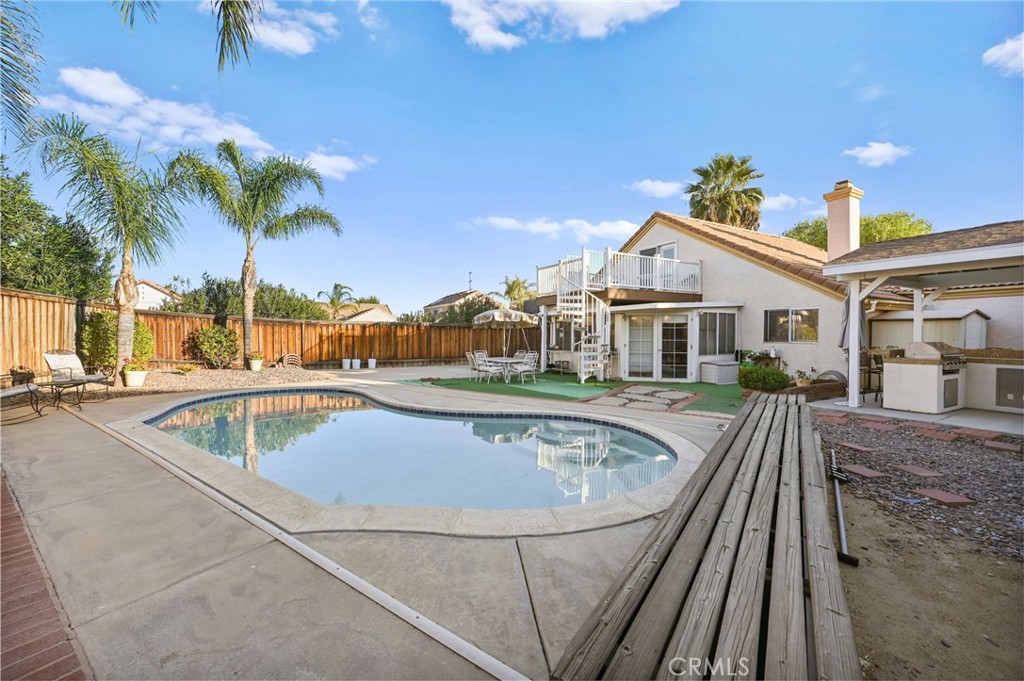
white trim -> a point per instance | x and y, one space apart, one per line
661 307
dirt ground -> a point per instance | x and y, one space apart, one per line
929 607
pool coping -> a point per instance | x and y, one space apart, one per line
298 514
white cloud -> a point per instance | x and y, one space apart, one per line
780 202
293 32
582 230
659 189
489 24
370 17
784 202
870 93
105 87
1007 56
337 166
877 154
108 102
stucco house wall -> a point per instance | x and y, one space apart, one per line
727 276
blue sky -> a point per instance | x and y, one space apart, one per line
495 137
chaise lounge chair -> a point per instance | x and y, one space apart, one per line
30 389
66 371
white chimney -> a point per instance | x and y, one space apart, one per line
843 219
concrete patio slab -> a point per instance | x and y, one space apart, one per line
264 615
451 580
563 593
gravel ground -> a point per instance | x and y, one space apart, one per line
995 479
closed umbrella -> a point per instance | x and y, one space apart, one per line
507 320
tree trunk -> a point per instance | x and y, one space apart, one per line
126 295
248 300
251 462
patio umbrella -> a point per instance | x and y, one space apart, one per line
507 320
844 341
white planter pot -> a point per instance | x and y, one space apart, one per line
134 379
357 363
255 364
371 363
346 364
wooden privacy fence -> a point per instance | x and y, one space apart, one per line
33 323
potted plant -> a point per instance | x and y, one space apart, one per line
802 377
135 372
372 362
255 360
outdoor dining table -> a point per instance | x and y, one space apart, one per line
506 364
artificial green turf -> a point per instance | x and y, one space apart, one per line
722 399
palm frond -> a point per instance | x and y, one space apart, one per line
19 63
235 22
301 220
128 8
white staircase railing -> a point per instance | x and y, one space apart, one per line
589 316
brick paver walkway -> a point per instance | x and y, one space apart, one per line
35 643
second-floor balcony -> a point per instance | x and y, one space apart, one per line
608 269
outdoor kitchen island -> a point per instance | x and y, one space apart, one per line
934 378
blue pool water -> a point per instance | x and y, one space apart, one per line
338 448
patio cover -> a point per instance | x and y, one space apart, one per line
978 256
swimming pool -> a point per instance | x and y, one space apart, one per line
341 448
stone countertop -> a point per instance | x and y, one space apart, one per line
1011 361
914 360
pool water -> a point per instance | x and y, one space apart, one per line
338 448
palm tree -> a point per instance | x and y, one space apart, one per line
517 291
368 300
19 63
251 196
722 195
339 299
134 208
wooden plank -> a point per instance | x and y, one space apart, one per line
786 645
834 645
694 629
737 647
589 652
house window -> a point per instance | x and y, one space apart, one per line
664 250
717 333
791 326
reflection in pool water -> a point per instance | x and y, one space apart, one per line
337 448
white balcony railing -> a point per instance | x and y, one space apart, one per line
599 270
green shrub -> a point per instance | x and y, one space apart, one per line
764 378
216 345
99 341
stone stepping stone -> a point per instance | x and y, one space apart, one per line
918 471
647 398
862 471
641 389
648 406
1002 446
878 425
609 401
674 395
945 498
858 448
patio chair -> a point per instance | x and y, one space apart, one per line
66 371
474 370
30 389
520 354
527 366
488 368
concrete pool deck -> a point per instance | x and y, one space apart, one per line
160 581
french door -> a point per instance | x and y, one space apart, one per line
674 356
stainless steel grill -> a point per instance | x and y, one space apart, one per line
951 358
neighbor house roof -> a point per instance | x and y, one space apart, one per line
364 310
453 298
788 256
